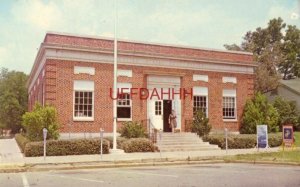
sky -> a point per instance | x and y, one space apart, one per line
199 23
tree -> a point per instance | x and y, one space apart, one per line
266 46
233 47
259 111
200 124
287 111
13 98
290 65
39 118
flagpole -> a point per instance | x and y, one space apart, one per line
115 80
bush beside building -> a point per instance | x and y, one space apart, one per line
241 141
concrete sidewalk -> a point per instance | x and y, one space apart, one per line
10 152
12 158
140 156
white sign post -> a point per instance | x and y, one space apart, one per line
101 142
262 136
45 131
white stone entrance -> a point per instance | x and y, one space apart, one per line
156 107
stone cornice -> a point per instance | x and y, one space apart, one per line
142 54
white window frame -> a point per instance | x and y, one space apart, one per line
125 106
206 100
128 86
202 92
88 87
230 93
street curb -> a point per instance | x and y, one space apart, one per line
263 162
131 163
119 165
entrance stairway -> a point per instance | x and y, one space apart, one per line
184 141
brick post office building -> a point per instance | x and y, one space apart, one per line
74 73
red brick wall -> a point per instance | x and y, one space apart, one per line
59 77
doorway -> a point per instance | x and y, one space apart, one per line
167 109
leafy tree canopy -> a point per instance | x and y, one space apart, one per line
259 111
276 53
287 111
13 98
41 117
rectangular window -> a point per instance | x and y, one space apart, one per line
158 108
229 104
124 106
83 100
83 104
200 99
200 103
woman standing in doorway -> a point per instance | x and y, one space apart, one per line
172 120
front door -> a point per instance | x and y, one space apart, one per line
167 109
157 113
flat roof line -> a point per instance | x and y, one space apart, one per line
149 43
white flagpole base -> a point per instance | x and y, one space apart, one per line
116 151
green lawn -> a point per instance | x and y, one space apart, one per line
283 156
297 137
286 156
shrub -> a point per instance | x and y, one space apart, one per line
66 147
22 141
258 112
241 141
200 124
275 139
297 126
39 118
120 141
287 111
132 130
2 127
138 145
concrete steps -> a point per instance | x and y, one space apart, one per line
183 142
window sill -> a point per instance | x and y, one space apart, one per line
230 120
124 119
82 119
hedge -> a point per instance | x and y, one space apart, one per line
22 141
138 145
241 141
66 147
120 141
132 129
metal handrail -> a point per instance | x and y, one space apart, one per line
152 132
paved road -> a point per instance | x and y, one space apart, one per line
185 175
